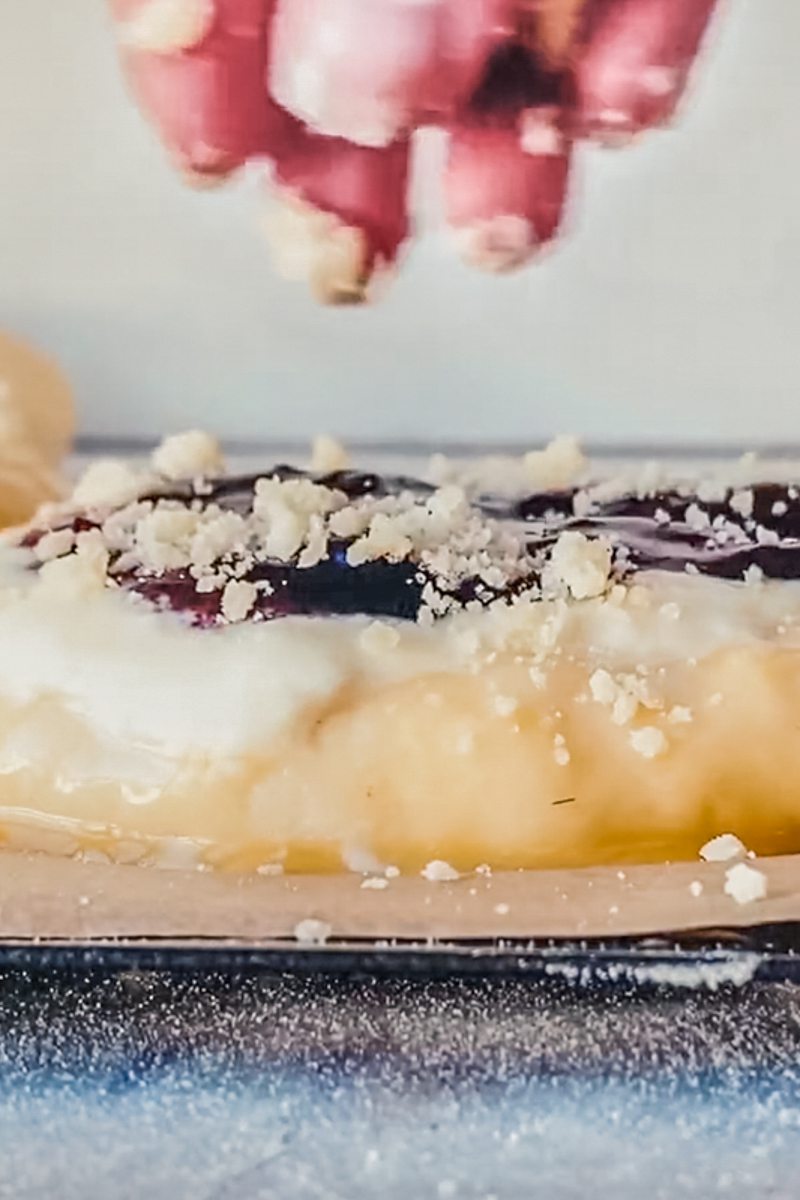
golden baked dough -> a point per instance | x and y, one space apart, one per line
524 666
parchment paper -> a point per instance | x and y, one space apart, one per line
44 897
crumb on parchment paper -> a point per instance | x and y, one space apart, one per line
745 884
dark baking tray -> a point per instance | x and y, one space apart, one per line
703 960
559 1072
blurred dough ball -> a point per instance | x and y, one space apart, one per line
26 481
35 400
37 421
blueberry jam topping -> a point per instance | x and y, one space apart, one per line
670 530
236 492
381 589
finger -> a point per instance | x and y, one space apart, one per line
369 70
634 63
505 202
353 69
469 34
198 70
339 214
163 26
508 166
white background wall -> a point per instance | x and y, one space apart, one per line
673 311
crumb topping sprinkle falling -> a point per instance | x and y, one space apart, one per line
223 549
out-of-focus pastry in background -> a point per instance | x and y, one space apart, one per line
37 421
333 91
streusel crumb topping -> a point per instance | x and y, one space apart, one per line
500 533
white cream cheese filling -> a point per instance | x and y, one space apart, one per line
147 679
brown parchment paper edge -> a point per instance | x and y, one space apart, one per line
48 898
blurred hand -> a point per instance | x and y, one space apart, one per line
332 91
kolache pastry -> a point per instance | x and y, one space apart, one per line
36 428
521 663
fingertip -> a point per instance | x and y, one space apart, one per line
506 188
497 245
339 214
164 26
634 63
309 245
203 180
207 99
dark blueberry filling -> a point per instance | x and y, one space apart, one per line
236 492
647 532
381 588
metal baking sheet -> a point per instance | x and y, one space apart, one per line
215 1079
